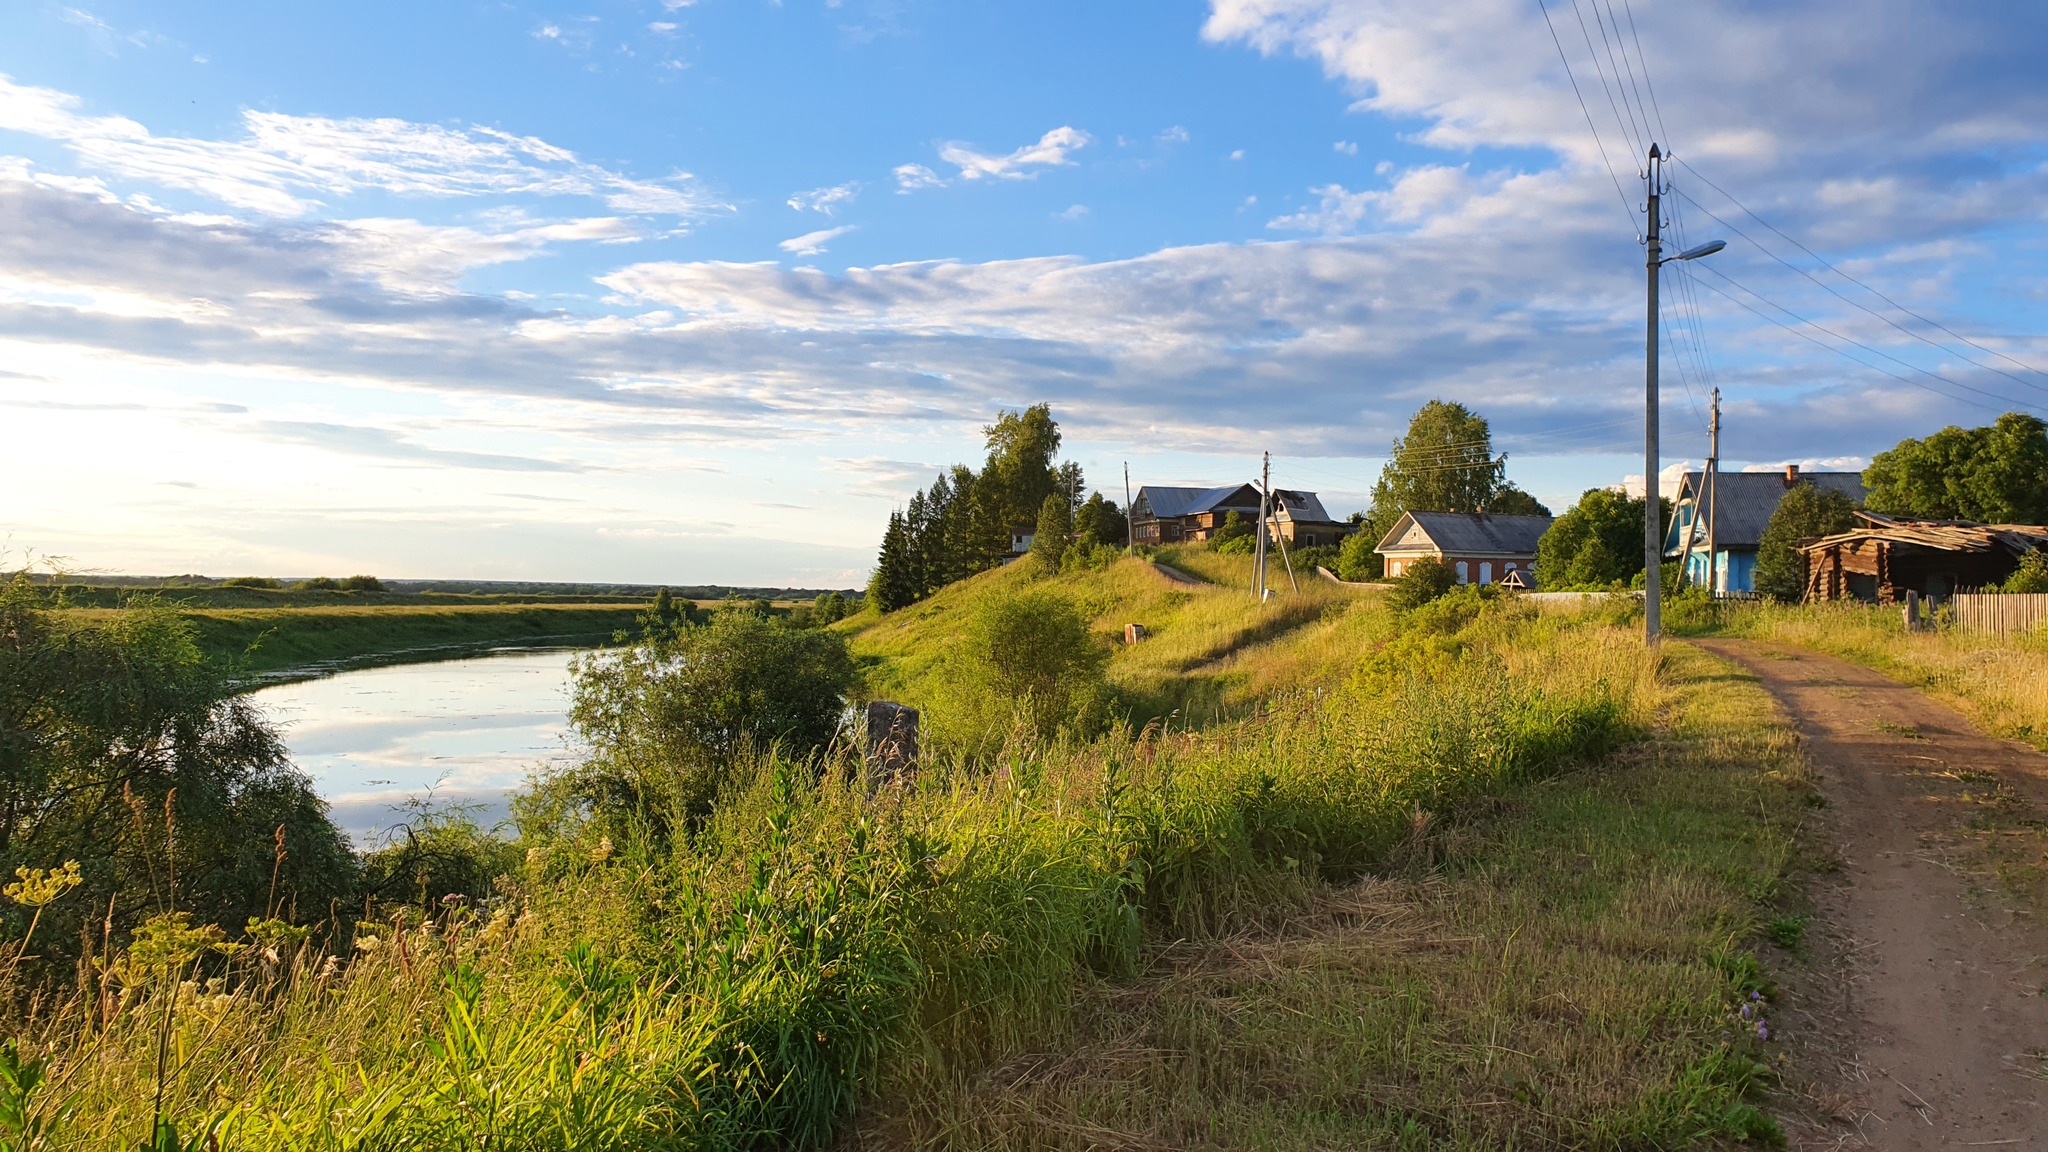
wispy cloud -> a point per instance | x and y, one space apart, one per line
911 177
284 165
812 243
826 200
1051 150
384 444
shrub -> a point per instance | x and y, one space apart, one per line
1055 530
1307 560
318 584
1356 559
1421 582
251 582
666 718
2031 575
1028 661
361 584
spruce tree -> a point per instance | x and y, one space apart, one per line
1054 532
889 588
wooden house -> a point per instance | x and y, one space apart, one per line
1888 556
1481 549
1162 515
1740 505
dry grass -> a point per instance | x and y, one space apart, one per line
1554 968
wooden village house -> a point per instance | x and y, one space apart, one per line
1885 557
1163 515
1481 549
1740 505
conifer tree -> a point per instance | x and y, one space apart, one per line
889 588
1054 532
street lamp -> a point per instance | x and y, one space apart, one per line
1653 535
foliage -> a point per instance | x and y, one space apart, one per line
824 609
1805 511
2031 575
1308 559
1421 582
961 525
666 718
435 853
1997 474
1099 521
1027 661
122 748
252 582
1054 531
1445 463
319 584
1596 543
361 584
1356 559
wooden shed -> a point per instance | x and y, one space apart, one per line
1888 556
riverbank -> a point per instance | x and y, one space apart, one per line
274 644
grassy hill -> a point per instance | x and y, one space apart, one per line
1463 877
1209 653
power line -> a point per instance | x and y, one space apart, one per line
1645 62
1620 122
1832 291
1611 21
1839 352
1588 113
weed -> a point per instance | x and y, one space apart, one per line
1786 931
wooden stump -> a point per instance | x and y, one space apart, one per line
892 741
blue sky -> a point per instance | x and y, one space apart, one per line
699 292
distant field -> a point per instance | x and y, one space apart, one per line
274 642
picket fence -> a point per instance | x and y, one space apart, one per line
1999 612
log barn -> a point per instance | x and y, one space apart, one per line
1887 556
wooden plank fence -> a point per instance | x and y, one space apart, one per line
1999 612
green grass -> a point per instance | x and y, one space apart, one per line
1556 966
1464 876
269 642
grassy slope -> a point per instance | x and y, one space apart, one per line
1209 653
1552 969
272 641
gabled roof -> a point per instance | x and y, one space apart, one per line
1939 535
1299 506
1747 500
1167 503
1471 533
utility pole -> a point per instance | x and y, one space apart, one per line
1259 546
1130 532
1713 497
1653 540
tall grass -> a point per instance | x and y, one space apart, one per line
823 937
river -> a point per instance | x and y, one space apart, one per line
461 731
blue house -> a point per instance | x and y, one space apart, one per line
1745 502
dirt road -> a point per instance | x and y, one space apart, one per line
1939 996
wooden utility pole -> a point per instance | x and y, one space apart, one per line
1259 545
1130 530
1713 496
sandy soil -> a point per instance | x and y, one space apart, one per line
1927 999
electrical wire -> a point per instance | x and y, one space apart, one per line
1853 280
1839 352
1622 122
1616 25
1645 62
1832 291
1588 113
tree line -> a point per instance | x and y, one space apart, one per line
965 521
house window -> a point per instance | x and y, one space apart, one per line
1486 572
1462 578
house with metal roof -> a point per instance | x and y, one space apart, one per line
1165 515
1739 505
1480 548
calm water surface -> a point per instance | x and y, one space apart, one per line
465 731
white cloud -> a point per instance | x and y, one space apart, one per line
1345 148
826 200
911 177
1174 135
283 164
1051 150
1071 212
812 243
662 27
1235 154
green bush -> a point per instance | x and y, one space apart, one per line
2031 575
1356 560
361 584
1026 662
319 584
251 582
665 719
1422 581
